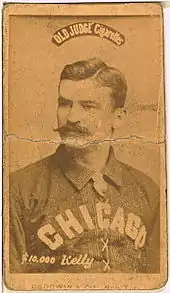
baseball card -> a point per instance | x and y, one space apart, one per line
84 147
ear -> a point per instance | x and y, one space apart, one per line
119 118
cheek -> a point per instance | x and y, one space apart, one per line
95 118
102 121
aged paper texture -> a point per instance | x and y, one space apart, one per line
84 147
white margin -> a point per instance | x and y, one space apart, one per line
166 5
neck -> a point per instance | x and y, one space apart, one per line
93 157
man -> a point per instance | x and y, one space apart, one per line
81 210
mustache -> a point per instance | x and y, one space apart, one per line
72 128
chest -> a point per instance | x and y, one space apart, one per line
69 213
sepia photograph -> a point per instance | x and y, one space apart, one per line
84 140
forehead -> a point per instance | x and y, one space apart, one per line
86 89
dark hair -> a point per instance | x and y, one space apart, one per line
105 76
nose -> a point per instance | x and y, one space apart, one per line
55 125
74 113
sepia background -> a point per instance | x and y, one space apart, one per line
35 64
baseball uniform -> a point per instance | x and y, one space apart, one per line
67 218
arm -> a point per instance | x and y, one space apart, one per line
153 245
17 244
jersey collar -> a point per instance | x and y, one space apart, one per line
79 175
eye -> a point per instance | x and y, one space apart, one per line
64 102
89 105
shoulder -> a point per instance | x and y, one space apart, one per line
31 175
30 184
31 170
146 184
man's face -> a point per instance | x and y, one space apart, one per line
85 112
